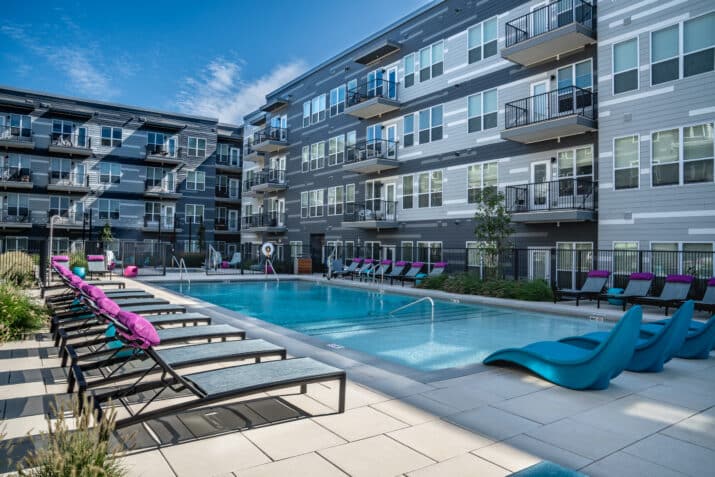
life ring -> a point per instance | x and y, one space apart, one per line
267 249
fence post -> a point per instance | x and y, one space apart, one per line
552 266
640 261
44 276
515 263
579 261
466 260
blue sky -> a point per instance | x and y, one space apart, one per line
218 60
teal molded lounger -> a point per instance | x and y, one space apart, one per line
575 367
652 351
698 343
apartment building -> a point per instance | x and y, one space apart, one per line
74 165
388 145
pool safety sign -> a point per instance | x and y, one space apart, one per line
267 249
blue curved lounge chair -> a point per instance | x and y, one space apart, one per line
651 351
698 343
575 367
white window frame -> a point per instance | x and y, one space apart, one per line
306 109
112 171
428 244
481 186
336 150
613 66
431 126
107 210
335 203
337 105
404 130
316 198
680 252
432 63
405 73
196 180
482 111
681 156
482 40
195 208
430 192
402 250
199 149
638 166
305 159
111 140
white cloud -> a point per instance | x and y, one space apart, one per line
221 92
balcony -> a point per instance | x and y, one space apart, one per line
270 139
18 220
15 178
228 164
225 226
563 112
157 190
161 154
377 51
159 223
249 152
564 200
372 98
269 180
372 156
68 182
15 137
549 32
374 214
65 220
228 195
70 144
272 222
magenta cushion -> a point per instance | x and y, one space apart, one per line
711 282
386 262
368 260
440 264
62 270
60 258
93 292
131 271
641 276
140 329
108 306
679 279
358 260
401 263
418 264
599 273
75 281
95 258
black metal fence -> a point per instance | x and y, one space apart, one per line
571 193
372 149
24 257
371 210
374 87
554 104
271 133
547 18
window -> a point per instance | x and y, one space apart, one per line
229 155
625 257
429 252
108 209
304 204
692 258
575 172
432 61
316 203
305 159
626 162
482 40
430 124
349 249
429 189
109 173
15 125
480 177
317 109
697 49
18 205
152 212
197 147
60 245
696 152
111 137
16 244
159 143
194 213
407 192
350 193
336 150
296 248
196 180
406 251
306 113
482 111
317 155
408 63
625 66
335 200
59 206
65 133
408 130
350 142
337 100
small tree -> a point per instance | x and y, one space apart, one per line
107 233
493 229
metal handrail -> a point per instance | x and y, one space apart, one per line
566 101
183 271
424 298
548 18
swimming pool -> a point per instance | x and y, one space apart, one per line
458 336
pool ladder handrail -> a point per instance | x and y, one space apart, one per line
183 271
273 269
419 300
334 253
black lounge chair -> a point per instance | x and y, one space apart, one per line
364 268
410 275
437 269
350 269
379 271
675 291
638 285
591 289
708 301
397 270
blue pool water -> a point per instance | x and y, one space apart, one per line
459 334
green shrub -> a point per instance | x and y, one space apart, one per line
471 284
83 452
17 268
434 283
18 314
78 259
193 259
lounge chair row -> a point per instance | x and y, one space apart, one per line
116 354
592 360
674 293
400 271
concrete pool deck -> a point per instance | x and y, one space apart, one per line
478 421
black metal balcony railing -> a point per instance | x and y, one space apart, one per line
248 147
161 150
151 185
371 210
266 176
561 102
22 216
372 149
68 179
65 217
271 133
226 224
15 174
165 222
374 88
268 219
548 18
228 161
553 195
73 140
227 192
15 134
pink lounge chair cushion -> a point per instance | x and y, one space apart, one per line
60 258
440 264
140 330
358 260
93 292
385 262
62 270
368 260
641 276
711 282
599 273
418 264
131 271
75 281
95 258
679 279
401 263
108 307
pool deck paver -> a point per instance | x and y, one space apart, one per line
488 421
